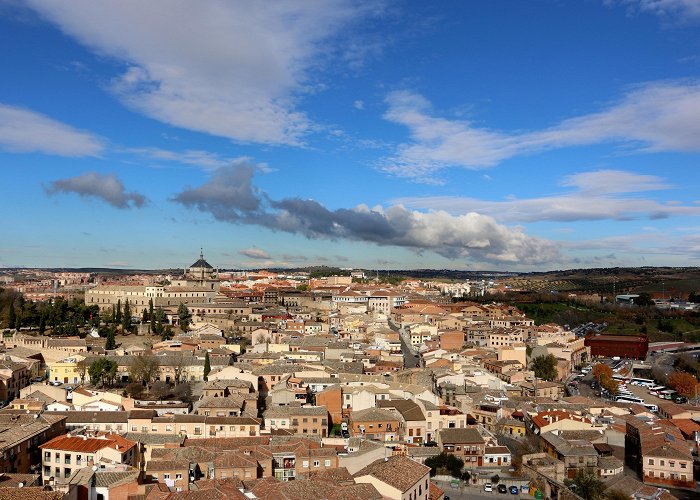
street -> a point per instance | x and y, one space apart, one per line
475 492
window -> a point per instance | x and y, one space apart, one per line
47 455
134 428
166 476
67 458
305 464
57 457
67 473
328 463
178 476
662 462
317 463
47 471
144 428
672 463
682 464
78 459
651 461
197 431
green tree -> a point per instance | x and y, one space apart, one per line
545 367
151 317
126 317
144 315
207 365
42 324
644 300
111 342
445 463
586 484
118 313
102 370
184 314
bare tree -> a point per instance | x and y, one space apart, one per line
82 368
144 369
160 389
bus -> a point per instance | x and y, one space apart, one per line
651 407
646 382
629 399
667 394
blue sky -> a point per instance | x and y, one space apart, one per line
490 134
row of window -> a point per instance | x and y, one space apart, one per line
67 458
671 463
317 463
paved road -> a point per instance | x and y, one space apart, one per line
476 492
410 358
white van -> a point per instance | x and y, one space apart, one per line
344 426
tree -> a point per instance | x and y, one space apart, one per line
183 392
42 324
586 484
694 297
644 300
126 320
602 370
82 367
102 370
135 390
207 365
160 389
683 383
609 384
151 317
496 479
545 367
144 369
445 463
184 314
111 343
118 313
144 315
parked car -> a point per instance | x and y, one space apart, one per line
681 400
502 488
488 487
56 382
513 490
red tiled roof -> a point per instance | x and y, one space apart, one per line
88 444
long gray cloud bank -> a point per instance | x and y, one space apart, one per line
230 195
104 187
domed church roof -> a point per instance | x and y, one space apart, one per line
201 263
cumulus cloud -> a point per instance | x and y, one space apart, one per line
103 187
25 131
597 195
230 196
659 116
231 69
255 253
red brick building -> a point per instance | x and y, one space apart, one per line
624 346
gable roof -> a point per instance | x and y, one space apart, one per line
398 471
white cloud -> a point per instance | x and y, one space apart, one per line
359 104
198 158
255 253
25 131
659 116
598 195
680 8
231 69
